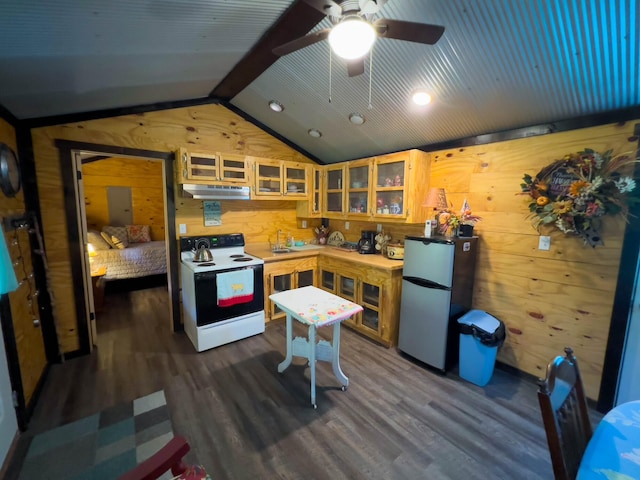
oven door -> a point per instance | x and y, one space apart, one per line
206 292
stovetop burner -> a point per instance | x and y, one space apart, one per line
206 264
237 255
242 259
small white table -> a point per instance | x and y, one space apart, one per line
315 308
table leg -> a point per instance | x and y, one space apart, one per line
312 363
337 371
287 361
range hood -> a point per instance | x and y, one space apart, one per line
215 192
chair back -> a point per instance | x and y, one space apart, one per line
565 414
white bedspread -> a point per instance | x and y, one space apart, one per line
137 260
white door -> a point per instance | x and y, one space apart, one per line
8 419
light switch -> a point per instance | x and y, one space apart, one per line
346 225
379 229
304 224
544 243
183 228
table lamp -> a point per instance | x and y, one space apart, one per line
436 199
8 281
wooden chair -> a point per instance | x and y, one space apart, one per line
167 458
565 414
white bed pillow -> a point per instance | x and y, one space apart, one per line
95 239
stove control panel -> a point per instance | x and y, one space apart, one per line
226 240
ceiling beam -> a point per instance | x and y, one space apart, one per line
297 21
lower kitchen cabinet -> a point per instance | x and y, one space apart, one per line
377 290
285 275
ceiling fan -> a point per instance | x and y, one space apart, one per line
355 31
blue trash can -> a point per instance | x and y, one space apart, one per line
481 335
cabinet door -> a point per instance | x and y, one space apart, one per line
358 188
306 278
347 288
233 168
371 301
279 283
200 166
389 193
311 206
295 179
328 280
268 178
334 193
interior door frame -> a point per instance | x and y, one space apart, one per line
67 150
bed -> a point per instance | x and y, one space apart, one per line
136 259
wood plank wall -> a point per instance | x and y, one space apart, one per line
201 128
548 299
144 177
23 302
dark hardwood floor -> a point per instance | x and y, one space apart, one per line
397 420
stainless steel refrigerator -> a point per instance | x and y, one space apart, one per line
437 288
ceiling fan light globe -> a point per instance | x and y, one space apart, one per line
421 98
352 38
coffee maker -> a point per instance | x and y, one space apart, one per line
367 243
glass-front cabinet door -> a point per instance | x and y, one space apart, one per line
358 188
295 179
268 178
233 168
347 288
279 283
328 280
371 301
389 194
334 190
316 192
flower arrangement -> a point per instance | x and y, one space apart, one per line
448 221
573 193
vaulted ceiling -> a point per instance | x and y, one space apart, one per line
500 65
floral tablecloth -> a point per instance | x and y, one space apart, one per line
314 306
613 452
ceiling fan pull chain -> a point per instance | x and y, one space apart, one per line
370 75
330 71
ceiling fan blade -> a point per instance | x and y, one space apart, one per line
371 6
328 7
408 31
301 42
355 67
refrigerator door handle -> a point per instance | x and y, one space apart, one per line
421 282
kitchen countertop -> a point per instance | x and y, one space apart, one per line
263 250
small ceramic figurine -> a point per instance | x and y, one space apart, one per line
397 181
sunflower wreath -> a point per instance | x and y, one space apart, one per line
573 194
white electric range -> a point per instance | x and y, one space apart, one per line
209 320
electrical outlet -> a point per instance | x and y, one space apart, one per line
379 227
183 228
346 225
304 224
544 243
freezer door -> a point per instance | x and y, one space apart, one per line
424 323
429 260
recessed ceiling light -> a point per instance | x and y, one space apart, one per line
420 97
357 118
276 106
314 132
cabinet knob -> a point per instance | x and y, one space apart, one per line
36 322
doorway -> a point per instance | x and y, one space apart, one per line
71 155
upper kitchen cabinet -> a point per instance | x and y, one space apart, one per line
312 207
400 185
334 193
214 168
357 186
278 179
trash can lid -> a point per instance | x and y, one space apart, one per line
481 320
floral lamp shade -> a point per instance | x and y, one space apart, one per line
437 198
8 281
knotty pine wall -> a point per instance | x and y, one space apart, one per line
144 177
201 128
23 302
547 299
